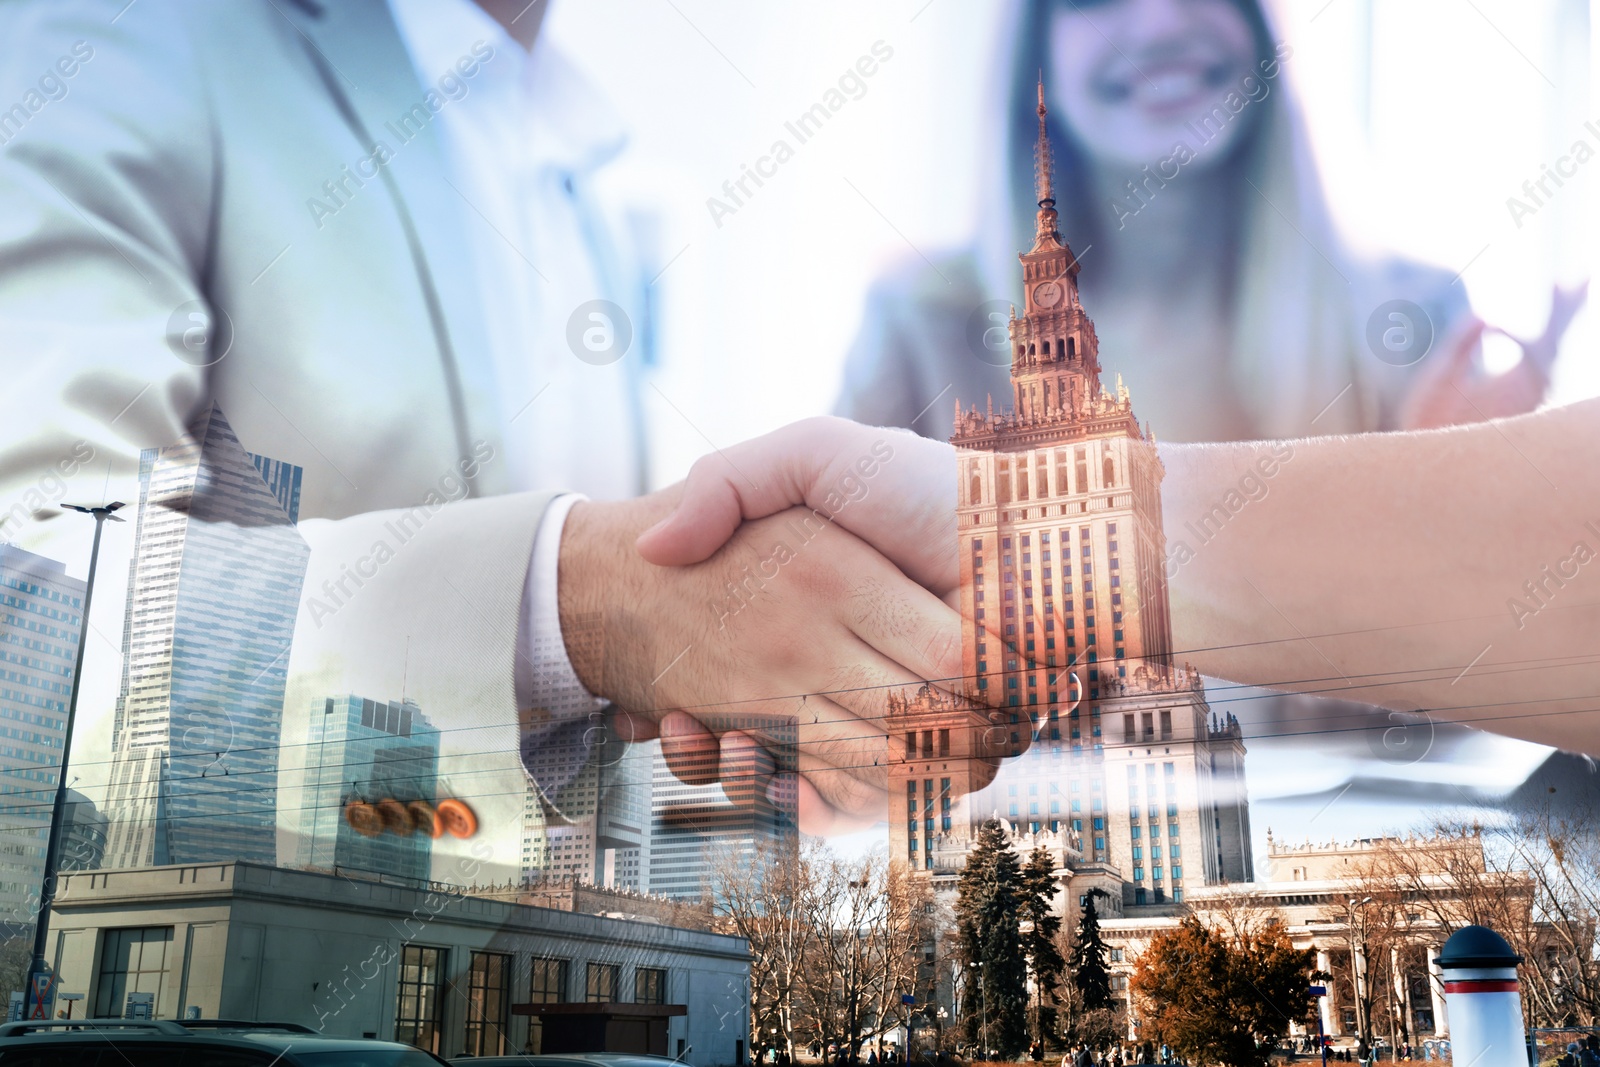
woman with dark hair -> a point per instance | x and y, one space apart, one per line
1223 295
1218 282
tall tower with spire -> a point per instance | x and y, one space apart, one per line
1107 750
1055 353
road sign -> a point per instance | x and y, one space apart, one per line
140 1006
14 1012
907 998
1318 991
41 996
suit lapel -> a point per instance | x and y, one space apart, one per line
369 74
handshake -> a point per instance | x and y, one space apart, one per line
774 600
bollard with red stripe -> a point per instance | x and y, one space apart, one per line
1483 999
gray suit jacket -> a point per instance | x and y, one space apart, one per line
160 169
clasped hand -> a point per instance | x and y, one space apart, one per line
757 616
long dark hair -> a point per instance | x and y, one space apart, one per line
1080 220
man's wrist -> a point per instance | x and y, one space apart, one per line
601 581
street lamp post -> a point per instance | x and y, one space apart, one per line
37 972
1358 953
983 1022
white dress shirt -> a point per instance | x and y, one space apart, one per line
523 133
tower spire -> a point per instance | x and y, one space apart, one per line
1042 177
1045 233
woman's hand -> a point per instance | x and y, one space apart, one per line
1453 389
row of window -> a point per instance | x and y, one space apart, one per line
40 628
1173 851
134 964
1009 488
38 646
1135 832
36 590
38 609
1139 895
602 982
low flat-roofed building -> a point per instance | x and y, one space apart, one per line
442 969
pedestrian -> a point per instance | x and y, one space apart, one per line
1589 1054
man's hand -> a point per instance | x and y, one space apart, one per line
905 507
789 637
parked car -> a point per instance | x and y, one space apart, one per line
193 1043
567 1059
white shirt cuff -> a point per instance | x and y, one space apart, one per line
545 679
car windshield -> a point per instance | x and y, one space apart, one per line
368 1057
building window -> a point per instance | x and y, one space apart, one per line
600 987
649 985
132 960
549 984
416 1015
488 986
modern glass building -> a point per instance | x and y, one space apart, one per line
755 806
212 595
40 627
366 751
588 816
83 842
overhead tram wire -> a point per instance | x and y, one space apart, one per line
832 767
1257 691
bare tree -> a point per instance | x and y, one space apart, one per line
836 945
756 897
1561 854
865 958
1534 878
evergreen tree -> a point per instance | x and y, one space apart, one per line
1089 974
989 907
1039 940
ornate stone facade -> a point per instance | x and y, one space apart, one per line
1075 721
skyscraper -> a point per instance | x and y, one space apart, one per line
367 751
212 597
607 841
588 815
753 807
83 828
40 628
1106 743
